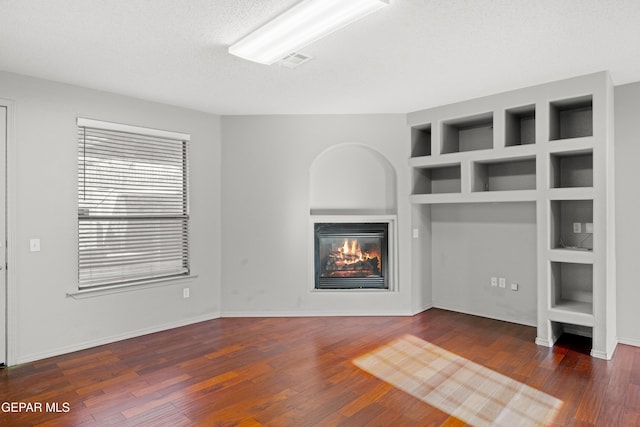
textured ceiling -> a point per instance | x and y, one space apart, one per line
411 55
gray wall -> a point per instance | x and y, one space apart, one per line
266 203
262 193
43 172
627 119
472 243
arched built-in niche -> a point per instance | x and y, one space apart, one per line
352 177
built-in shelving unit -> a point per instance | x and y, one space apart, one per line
551 144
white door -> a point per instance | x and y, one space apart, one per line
3 238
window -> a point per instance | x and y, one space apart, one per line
133 215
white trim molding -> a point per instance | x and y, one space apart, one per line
12 290
119 127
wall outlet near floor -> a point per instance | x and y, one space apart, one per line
588 227
514 286
185 293
577 227
502 282
494 282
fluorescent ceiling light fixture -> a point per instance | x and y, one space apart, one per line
301 25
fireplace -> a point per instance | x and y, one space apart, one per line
351 255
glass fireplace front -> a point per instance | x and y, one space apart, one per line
351 255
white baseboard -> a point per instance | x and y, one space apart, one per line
488 316
114 338
544 343
421 309
629 341
311 313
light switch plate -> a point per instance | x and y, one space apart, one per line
588 227
34 245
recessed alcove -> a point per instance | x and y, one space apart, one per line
520 125
352 179
353 207
571 118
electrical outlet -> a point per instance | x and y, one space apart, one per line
588 227
185 293
494 282
502 282
577 227
514 286
416 233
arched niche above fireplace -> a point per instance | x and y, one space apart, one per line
352 178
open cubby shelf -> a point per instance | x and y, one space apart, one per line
468 134
505 175
421 141
571 118
437 180
564 214
520 125
571 169
572 287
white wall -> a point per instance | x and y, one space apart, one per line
266 203
43 179
627 145
472 243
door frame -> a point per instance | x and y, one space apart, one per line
10 200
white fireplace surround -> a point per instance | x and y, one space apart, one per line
392 254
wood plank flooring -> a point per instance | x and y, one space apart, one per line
300 372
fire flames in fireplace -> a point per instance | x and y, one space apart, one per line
350 260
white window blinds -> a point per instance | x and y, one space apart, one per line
133 215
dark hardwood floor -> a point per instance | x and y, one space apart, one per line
299 372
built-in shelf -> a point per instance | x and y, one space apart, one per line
571 118
546 145
504 175
437 179
573 306
482 197
573 169
572 287
468 134
421 141
572 193
564 216
520 125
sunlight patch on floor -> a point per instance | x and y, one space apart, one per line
457 386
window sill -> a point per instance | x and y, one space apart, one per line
128 287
